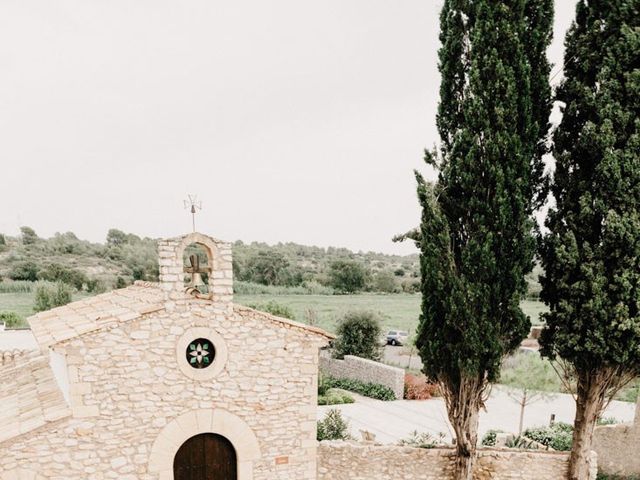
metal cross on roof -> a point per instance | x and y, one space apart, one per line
193 204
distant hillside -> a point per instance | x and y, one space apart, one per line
126 257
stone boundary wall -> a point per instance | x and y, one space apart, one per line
341 460
356 368
615 446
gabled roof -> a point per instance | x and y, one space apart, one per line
29 396
93 313
283 321
141 298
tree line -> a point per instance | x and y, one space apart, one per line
125 257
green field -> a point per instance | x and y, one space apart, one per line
398 310
22 303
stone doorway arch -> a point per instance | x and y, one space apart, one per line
206 456
190 424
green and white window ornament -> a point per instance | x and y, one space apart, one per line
200 353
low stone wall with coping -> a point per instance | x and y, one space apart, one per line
617 445
341 460
356 368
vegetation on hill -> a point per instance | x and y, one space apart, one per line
125 257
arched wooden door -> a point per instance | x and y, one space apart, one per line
205 457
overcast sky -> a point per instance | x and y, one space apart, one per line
292 120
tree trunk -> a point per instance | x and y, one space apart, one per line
523 404
463 407
589 403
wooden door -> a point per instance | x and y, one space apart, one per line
205 457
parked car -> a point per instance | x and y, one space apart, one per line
397 337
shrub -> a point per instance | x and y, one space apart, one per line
54 272
489 439
608 421
520 443
335 397
11 319
417 388
24 271
333 427
48 297
559 436
372 390
423 440
275 308
385 281
359 334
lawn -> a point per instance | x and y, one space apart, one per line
398 311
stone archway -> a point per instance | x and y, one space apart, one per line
195 422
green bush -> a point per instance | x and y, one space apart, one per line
11 319
359 334
27 271
333 427
489 438
335 397
48 297
559 436
372 390
54 272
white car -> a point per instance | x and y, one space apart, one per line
397 337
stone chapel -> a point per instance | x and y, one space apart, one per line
162 381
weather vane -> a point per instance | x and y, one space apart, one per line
193 204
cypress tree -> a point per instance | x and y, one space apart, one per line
477 233
591 254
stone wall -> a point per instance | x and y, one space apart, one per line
356 368
342 460
132 405
614 445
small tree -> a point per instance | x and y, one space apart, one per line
347 276
29 235
267 268
333 426
531 379
359 334
385 281
116 237
24 271
48 297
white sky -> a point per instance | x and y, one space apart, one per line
292 120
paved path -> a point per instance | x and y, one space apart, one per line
17 340
393 421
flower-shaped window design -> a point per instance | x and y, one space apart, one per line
200 353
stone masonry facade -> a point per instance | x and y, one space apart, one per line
356 368
345 460
127 397
618 447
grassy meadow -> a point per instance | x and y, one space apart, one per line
397 310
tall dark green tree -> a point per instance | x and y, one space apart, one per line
477 233
591 255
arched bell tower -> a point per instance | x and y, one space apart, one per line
217 268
